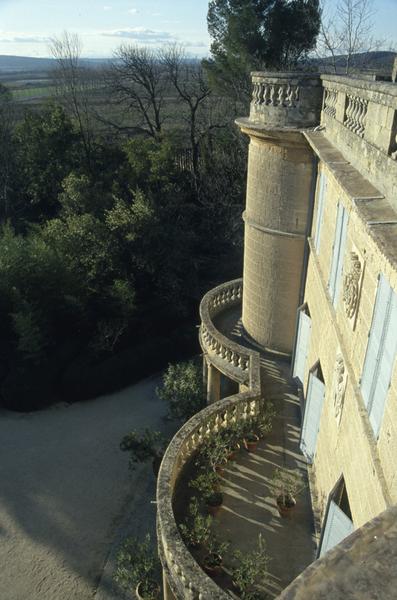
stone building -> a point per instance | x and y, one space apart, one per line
312 326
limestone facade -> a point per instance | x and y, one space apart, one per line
356 158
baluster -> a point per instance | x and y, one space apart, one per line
260 94
266 94
280 96
348 112
272 96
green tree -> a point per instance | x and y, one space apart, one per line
252 35
47 151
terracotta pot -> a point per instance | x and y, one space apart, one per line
138 591
212 564
286 510
214 504
233 453
220 469
251 444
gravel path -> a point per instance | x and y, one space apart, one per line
66 494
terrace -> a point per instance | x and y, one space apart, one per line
249 506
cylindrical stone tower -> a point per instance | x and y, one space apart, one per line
279 189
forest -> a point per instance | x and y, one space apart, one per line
111 234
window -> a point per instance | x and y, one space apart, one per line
338 522
303 332
381 353
338 253
322 190
313 409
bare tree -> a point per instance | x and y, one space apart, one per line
138 81
74 86
202 110
346 32
193 90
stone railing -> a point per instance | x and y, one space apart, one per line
359 118
286 99
236 362
367 108
184 575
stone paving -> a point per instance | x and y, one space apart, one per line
249 503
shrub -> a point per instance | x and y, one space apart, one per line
143 446
136 563
182 389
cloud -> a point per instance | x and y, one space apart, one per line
22 38
140 34
133 11
107 8
195 44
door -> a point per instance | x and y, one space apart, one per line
313 409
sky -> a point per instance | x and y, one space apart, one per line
26 26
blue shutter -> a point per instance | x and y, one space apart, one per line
386 360
322 190
338 526
338 253
312 416
374 347
341 256
302 345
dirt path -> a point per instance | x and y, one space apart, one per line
65 490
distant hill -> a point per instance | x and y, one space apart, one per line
20 64
12 64
380 61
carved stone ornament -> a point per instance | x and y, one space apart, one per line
351 286
339 386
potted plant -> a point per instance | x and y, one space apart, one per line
144 446
288 484
214 452
213 560
250 569
250 437
258 427
207 484
264 423
196 528
138 567
232 437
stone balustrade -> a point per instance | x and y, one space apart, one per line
286 99
367 108
183 575
233 360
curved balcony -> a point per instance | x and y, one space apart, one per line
286 99
239 363
184 576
